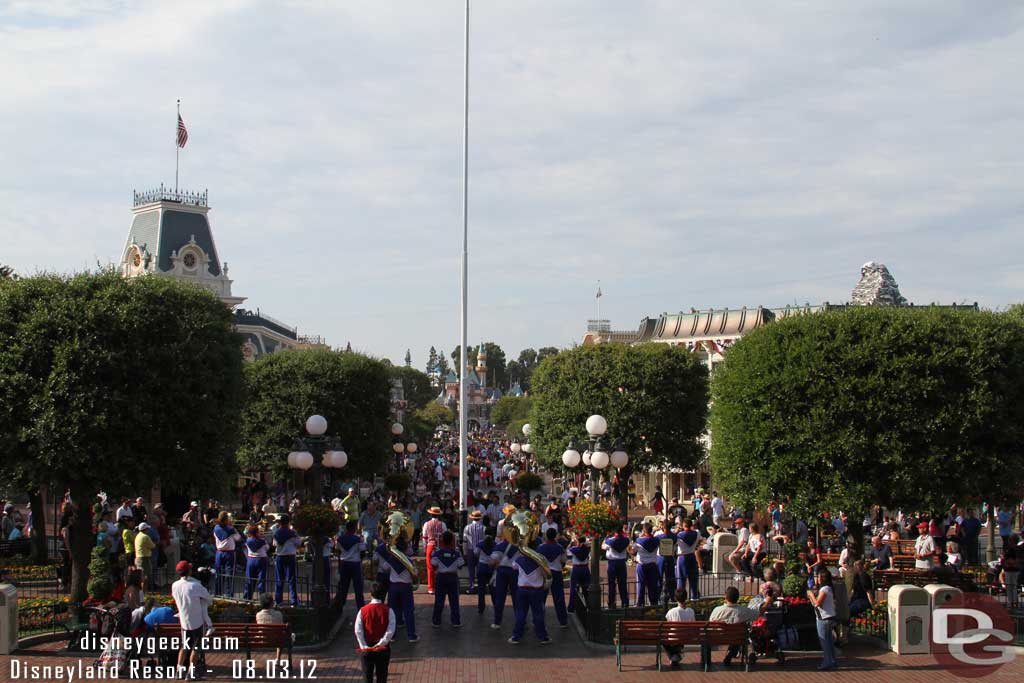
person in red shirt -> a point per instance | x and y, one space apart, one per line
375 628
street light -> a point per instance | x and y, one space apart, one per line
317 452
597 457
399 447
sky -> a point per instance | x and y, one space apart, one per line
684 154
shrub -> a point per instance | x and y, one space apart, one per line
316 520
794 586
100 586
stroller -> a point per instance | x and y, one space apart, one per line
769 637
113 624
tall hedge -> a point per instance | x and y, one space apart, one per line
904 407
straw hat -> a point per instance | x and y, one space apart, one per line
476 514
434 510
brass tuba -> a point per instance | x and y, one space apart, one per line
396 524
520 529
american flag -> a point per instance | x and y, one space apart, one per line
182 133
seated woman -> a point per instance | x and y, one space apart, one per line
862 590
755 552
267 613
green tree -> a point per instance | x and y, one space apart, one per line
901 407
546 352
528 358
421 424
654 397
509 409
115 384
416 386
349 389
442 367
432 362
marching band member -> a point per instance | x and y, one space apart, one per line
432 530
325 557
579 575
646 549
224 536
530 598
446 560
686 566
256 550
285 543
484 572
399 586
472 535
615 551
667 563
350 564
554 553
502 557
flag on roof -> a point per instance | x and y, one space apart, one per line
182 132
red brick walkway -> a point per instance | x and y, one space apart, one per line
477 654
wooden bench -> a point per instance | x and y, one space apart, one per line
706 634
903 546
721 633
250 636
681 634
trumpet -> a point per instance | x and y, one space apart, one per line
398 525
520 529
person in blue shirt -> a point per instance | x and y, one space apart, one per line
971 530
160 615
502 556
688 541
579 575
554 553
615 551
256 562
286 543
530 598
484 572
400 597
446 562
667 563
646 548
1005 520
225 537
350 564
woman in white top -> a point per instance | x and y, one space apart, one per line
823 599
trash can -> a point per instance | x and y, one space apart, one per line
940 595
8 618
725 545
909 620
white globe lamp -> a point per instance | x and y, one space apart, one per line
411 447
619 459
303 460
316 425
340 459
398 447
291 460
397 428
571 458
596 425
599 460
516 447
527 429
586 458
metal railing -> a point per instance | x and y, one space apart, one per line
163 194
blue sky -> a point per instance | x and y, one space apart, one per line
686 154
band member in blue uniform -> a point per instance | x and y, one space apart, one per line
350 564
446 561
225 536
615 548
399 586
484 572
554 553
579 575
325 557
285 543
471 536
646 549
502 557
530 598
667 562
686 566
256 551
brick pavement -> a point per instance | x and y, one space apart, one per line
477 654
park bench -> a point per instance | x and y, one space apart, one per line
706 634
250 636
21 546
903 546
884 580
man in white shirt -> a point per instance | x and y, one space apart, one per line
717 508
370 628
742 536
678 613
193 603
924 548
733 613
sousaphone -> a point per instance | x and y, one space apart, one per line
396 524
521 528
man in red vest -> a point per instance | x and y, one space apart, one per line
375 627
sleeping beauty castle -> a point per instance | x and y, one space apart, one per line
170 236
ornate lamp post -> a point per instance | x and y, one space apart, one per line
597 457
399 447
317 452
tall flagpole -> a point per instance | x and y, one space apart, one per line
465 279
177 148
